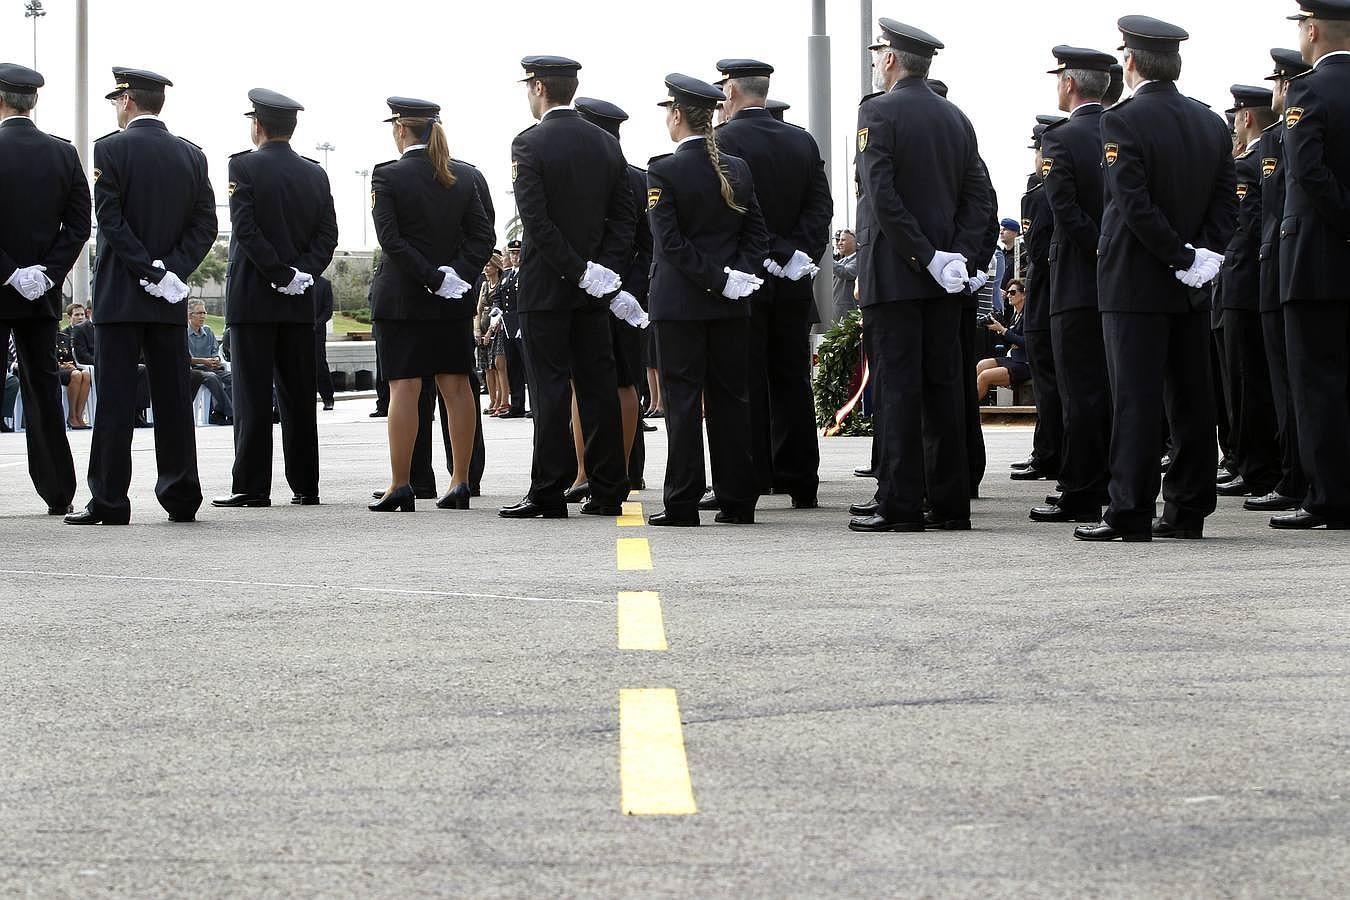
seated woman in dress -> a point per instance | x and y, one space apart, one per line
1006 371
74 378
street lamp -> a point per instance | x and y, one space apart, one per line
33 10
325 148
365 176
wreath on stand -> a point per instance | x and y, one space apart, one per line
839 380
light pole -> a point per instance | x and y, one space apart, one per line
365 176
325 148
80 287
818 76
33 10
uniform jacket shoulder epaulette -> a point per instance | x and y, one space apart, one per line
108 135
1053 125
528 130
657 159
1201 102
188 142
871 96
1120 105
240 153
315 161
387 162
1301 75
1247 153
59 138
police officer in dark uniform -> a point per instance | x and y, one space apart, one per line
1252 427
283 234
1037 227
1171 188
922 216
628 338
156 216
323 312
1071 164
794 194
1292 488
43 230
1314 259
517 371
709 240
571 187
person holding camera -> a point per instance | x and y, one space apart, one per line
1011 369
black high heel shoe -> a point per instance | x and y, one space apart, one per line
455 498
579 494
398 500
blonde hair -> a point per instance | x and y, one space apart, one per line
438 147
700 120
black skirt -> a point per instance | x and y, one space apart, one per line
416 348
627 342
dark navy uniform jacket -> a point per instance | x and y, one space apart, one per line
1170 182
695 235
1037 226
1271 153
1315 234
637 277
421 226
1240 283
1071 151
281 217
153 201
44 213
790 182
924 189
571 188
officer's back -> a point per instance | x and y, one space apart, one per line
783 160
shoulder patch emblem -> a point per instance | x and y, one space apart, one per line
232 186
98 173
1292 116
862 139
515 169
653 198
1242 191
1026 225
372 199
1047 166
1112 152
1268 166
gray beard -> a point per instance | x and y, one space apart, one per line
878 80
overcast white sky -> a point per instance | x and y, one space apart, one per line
341 59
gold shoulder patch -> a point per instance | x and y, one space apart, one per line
653 198
98 173
1268 166
1112 152
1026 225
862 139
372 199
515 169
1242 191
1047 166
1293 115
232 187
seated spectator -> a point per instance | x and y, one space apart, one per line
1006 371
74 377
208 368
10 398
845 273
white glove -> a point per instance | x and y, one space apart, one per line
800 266
153 289
976 283
740 284
625 306
599 281
1204 270
943 267
31 282
452 286
302 282
494 318
774 269
172 288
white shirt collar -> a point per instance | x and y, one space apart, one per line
1332 53
555 109
692 137
1085 106
143 116
1253 142
412 147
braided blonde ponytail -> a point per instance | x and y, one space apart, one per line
700 120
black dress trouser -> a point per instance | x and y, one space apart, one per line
1048 442
1292 482
321 372
49 461
262 352
1085 393
565 348
704 371
1252 430
786 447
921 401
1160 361
1318 336
423 476
120 348
516 372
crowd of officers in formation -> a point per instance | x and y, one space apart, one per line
1147 220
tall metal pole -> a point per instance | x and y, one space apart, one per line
818 76
80 289
365 174
325 147
866 58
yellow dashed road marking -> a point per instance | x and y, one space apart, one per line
632 516
634 555
653 768
640 624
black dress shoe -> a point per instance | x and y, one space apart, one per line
1024 464
528 509
595 507
1304 520
1103 532
805 501
475 491
1235 488
709 502
877 524
1030 473
328 407
307 500
933 523
1165 529
741 517
670 520
648 428
455 498
60 510
864 472
864 510
1223 476
235 501
85 517
1057 514
380 413
400 499
183 518
579 494
1052 499
1272 502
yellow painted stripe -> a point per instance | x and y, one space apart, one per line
653 769
632 516
640 624
635 555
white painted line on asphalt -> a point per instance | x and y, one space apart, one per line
300 587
